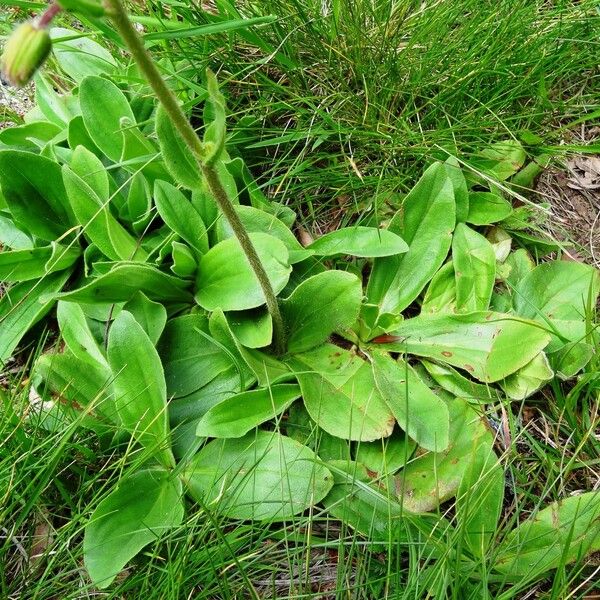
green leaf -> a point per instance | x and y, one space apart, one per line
221 332
481 343
486 208
520 263
461 191
33 263
226 279
190 357
359 241
500 160
179 160
571 359
474 269
340 394
123 281
557 290
78 135
419 412
142 507
179 214
319 306
433 478
140 389
12 237
23 305
440 296
139 152
528 379
89 167
184 261
239 414
385 457
479 500
152 316
559 295
214 134
452 381
256 221
138 206
429 217
61 374
33 189
103 106
364 507
29 137
75 331
57 108
98 222
80 56
262 476
563 532
252 328
373 510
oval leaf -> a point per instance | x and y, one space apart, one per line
76 332
125 280
23 305
103 106
137 512
178 158
474 263
140 389
236 416
179 214
486 208
256 221
340 394
563 532
481 343
435 477
319 306
33 189
421 414
34 263
80 56
263 476
359 241
429 217
97 221
226 279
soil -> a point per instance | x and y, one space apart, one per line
573 191
14 101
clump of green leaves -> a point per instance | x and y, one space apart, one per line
395 337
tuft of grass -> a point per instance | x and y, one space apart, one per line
344 101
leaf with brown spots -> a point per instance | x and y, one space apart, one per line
435 477
489 345
340 394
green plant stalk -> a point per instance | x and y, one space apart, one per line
117 13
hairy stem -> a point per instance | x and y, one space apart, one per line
117 13
46 17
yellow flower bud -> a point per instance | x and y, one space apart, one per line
24 53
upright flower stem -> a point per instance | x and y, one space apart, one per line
119 17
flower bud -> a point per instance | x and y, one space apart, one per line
24 53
